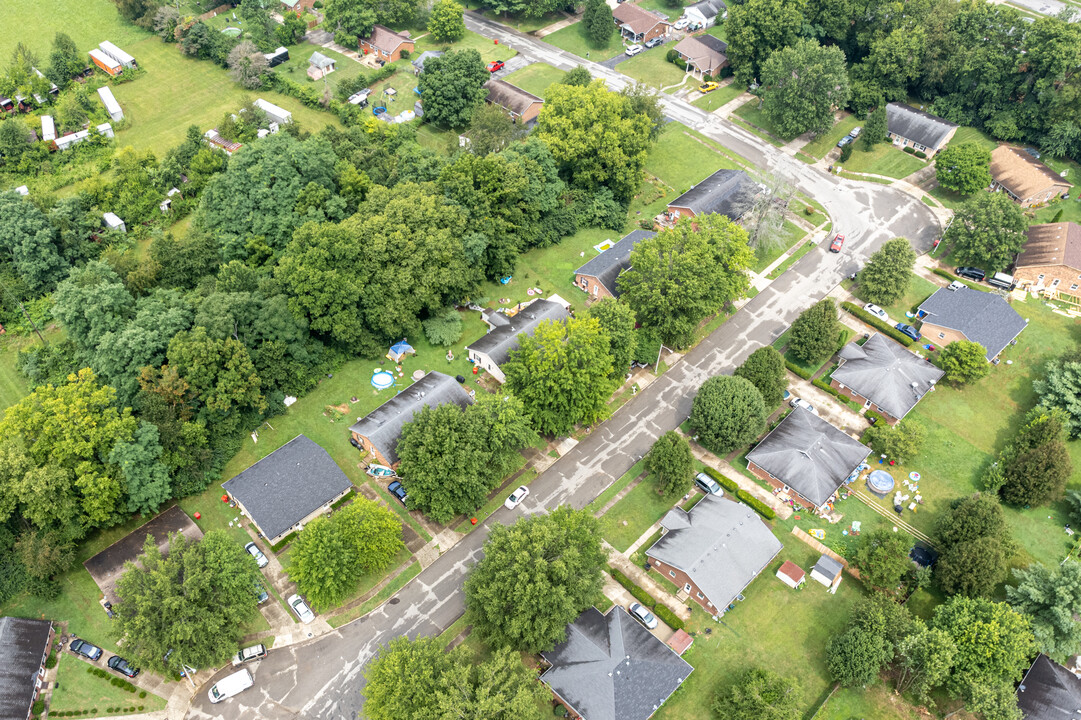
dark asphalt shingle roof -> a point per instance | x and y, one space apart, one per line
419 62
23 643
720 544
917 125
1049 692
498 343
383 426
828 567
288 485
612 668
708 8
1052 244
809 455
886 374
510 97
983 317
607 266
725 192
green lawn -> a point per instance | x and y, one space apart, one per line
572 39
87 22
651 68
680 159
296 67
535 78
523 24
720 97
79 690
966 134
718 31
919 289
661 7
1071 211
13 386
877 701
828 140
883 159
791 234
470 41
754 116
630 517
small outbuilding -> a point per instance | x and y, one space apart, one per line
319 66
48 128
274 113
791 574
117 54
277 57
106 63
418 64
827 571
113 222
111 105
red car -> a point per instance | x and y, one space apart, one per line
495 65
838 241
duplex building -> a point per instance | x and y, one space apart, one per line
962 313
909 127
24 648
494 349
1024 178
637 25
1050 261
704 54
1049 691
522 106
884 376
598 276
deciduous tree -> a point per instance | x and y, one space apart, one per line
975 546
885 278
764 368
671 464
445 22
964 361
988 231
247 65
964 168
1036 464
28 241
617 320
1060 387
875 129
802 85
924 660
883 559
815 332
728 413
758 28
901 442
453 87
762 694
1051 598
491 130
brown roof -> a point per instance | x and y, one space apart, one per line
1052 244
792 570
707 55
638 20
680 641
386 39
514 99
1022 174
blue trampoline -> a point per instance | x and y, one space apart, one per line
880 482
381 379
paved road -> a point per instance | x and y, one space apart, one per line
1046 7
322 678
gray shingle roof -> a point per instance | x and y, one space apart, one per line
708 8
22 646
720 544
725 192
288 485
809 455
320 60
917 125
510 97
828 567
383 426
612 668
886 374
498 343
419 62
983 317
607 266
1049 692
1052 244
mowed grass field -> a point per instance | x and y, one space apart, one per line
36 22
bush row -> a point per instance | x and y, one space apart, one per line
757 505
91 712
639 594
115 681
797 369
726 482
823 385
668 617
877 324
953 278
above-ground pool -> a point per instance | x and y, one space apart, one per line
880 482
231 31
381 379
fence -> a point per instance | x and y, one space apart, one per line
826 551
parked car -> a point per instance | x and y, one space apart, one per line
229 686
496 65
708 484
801 403
654 42
844 141
855 132
88 651
639 613
301 608
261 593
708 87
633 50
872 309
516 498
122 666
971 273
908 330
255 652
838 241
255 552
397 490
1002 281
682 23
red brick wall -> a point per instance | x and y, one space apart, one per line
377 457
1067 277
681 579
591 286
853 395
777 484
396 55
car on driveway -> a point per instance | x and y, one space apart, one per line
255 552
122 666
708 484
516 497
496 65
908 330
855 132
639 613
707 87
633 50
971 273
88 651
255 652
261 593
837 243
801 403
872 309
682 23
844 141
654 42
398 490
301 608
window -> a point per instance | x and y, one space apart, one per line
700 596
671 573
942 335
687 588
1073 287
1039 277
1055 282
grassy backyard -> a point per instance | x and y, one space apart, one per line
825 142
470 41
296 67
535 78
573 39
87 22
720 97
919 289
79 690
651 68
883 159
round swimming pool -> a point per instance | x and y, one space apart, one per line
381 379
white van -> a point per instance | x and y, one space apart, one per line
229 686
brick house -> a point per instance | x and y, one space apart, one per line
726 192
611 668
638 25
24 648
385 44
598 276
288 488
884 376
504 329
806 457
909 127
379 431
1024 178
522 106
713 551
1050 261
704 54
967 314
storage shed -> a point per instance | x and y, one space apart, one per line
111 105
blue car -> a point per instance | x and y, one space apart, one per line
908 330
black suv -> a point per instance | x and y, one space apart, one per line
972 273
121 666
88 651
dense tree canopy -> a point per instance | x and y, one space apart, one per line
883 559
617 320
758 28
900 443
1051 598
815 332
762 694
802 85
964 361
671 464
452 86
1036 463
1060 387
445 21
964 168
764 368
885 278
975 546
728 413
988 231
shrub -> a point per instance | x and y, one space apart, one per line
910 150
726 482
920 154
846 152
757 505
668 617
140 708
877 324
706 77
405 54
639 594
797 369
317 4
808 211
873 417
671 56
51 662
142 693
39 707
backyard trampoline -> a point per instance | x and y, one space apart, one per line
880 483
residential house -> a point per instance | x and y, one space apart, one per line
418 64
1024 178
522 106
706 12
504 329
612 668
1049 691
598 276
704 54
791 574
277 57
217 141
274 113
113 222
379 431
713 551
963 313
288 488
385 44
298 6
827 571
24 648
1050 261
106 63
319 66
725 192
638 25
48 128
884 376
117 54
111 105
909 127
806 457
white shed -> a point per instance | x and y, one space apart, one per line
105 129
827 571
791 574
114 223
48 128
117 54
22 190
273 112
111 105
